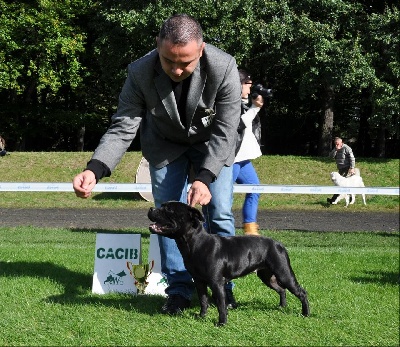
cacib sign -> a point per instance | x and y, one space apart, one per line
111 255
118 261
118 253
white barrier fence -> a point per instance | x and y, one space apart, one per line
238 188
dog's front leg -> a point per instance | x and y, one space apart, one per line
201 288
347 198
218 292
363 197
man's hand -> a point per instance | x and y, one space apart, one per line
352 171
198 194
83 184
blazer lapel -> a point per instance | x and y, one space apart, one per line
165 92
195 91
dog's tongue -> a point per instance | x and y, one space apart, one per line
155 228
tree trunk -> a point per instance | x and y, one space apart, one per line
364 140
381 143
81 139
325 140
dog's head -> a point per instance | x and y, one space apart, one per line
335 177
173 219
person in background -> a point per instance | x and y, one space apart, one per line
3 151
345 161
248 148
184 97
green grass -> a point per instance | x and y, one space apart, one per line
352 280
283 170
46 274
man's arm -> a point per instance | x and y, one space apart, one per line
124 124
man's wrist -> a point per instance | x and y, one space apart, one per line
205 176
99 169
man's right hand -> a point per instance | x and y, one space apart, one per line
83 184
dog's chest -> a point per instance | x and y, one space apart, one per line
197 260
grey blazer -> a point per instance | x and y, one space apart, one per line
147 102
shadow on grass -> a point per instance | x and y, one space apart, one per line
77 287
385 277
118 196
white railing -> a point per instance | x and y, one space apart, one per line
238 188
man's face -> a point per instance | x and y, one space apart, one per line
179 61
338 144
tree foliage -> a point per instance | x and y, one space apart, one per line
333 65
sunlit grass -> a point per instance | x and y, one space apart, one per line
277 170
352 280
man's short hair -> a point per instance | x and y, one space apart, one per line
180 29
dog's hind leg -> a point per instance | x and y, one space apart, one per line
269 279
288 280
363 195
279 264
352 199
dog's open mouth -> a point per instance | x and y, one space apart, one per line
158 228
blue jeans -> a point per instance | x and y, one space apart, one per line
244 173
171 183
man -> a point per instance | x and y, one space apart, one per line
3 151
345 161
185 96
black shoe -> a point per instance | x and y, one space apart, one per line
230 299
175 304
329 201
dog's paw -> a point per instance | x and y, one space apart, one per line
220 324
199 316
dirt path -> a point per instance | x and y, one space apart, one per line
111 219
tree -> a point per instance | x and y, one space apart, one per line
382 49
40 59
333 66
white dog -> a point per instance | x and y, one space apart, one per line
349 181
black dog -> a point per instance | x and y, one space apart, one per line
213 260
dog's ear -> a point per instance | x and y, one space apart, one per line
196 215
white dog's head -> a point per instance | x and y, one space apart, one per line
335 177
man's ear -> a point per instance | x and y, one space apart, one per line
203 44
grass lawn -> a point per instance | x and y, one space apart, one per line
352 280
46 274
276 170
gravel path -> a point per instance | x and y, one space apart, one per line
111 219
